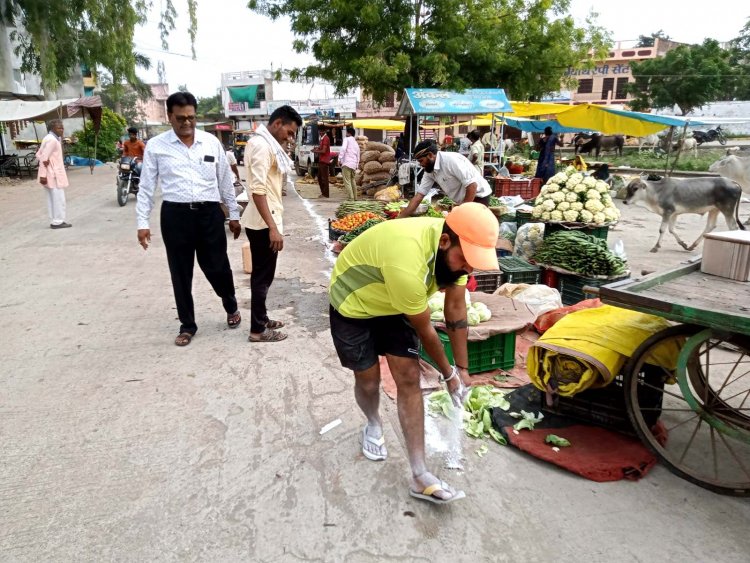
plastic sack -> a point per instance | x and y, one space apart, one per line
618 249
548 319
508 231
528 240
391 193
539 298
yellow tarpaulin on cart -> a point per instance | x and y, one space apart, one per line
588 348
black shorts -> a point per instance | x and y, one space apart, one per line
359 342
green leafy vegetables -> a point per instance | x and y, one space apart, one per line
477 416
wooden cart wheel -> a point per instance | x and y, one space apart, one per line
695 417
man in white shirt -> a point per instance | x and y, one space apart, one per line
349 159
456 177
192 170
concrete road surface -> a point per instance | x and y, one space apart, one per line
116 445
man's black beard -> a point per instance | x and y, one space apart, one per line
430 166
444 276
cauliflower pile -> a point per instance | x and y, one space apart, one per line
475 312
574 198
528 240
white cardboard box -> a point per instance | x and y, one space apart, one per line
727 254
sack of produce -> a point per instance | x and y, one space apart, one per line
386 157
529 239
380 147
372 167
391 193
358 176
377 177
369 156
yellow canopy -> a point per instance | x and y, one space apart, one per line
529 109
381 124
593 117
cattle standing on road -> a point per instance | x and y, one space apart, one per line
735 168
670 197
598 143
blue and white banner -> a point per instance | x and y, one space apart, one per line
433 101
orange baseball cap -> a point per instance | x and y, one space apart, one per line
477 229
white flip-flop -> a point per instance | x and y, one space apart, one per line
377 442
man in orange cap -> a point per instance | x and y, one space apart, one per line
378 307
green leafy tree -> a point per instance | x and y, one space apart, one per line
689 77
740 62
382 46
57 36
210 108
122 99
650 40
112 128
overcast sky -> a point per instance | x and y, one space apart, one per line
232 38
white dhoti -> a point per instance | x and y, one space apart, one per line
56 205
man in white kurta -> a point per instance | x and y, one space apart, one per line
52 173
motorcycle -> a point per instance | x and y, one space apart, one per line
710 136
128 179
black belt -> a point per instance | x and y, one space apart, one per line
192 204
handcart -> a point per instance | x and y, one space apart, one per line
696 416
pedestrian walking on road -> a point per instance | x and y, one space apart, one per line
192 169
349 159
378 307
323 150
268 166
52 173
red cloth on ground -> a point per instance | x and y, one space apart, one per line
595 453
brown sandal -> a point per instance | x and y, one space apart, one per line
183 339
234 320
274 324
268 335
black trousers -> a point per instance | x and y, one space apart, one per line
190 233
264 270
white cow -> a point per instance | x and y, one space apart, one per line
690 145
735 168
649 141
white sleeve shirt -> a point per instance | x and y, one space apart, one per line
453 173
185 174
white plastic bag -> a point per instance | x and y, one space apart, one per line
528 240
539 298
618 249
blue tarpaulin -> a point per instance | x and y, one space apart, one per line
537 125
433 101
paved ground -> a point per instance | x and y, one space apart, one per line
117 445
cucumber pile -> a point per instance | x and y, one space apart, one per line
352 206
580 253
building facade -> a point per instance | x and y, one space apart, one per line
607 83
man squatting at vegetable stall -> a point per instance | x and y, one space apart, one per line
378 307
452 172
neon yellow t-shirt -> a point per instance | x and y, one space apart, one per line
388 270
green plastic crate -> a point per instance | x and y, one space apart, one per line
523 217
516 270
596 232
497 352
571 287
488 280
